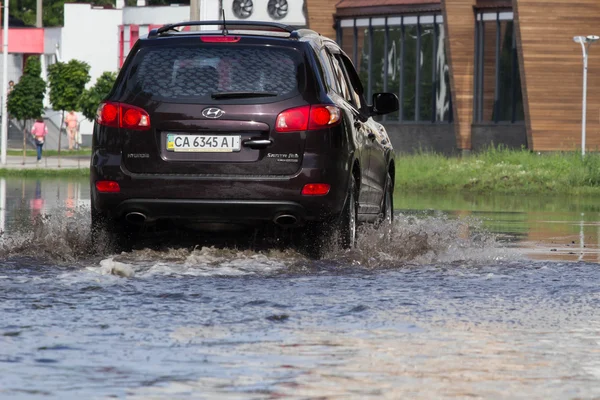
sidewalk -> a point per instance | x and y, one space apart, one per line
15 162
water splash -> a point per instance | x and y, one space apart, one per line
52 237
409 241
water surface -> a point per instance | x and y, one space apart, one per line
472 297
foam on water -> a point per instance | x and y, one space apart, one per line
410 241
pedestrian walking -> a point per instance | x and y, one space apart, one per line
39 132
72 124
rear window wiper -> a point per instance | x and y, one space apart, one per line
241 95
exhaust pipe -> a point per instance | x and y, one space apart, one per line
286 220
135 217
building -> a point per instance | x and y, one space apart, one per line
468 73
471 73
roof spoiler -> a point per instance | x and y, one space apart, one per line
257 24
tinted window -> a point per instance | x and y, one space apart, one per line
328 70
355 86
341 79
194 73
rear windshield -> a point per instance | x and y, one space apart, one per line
201 73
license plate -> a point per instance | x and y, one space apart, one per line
203 143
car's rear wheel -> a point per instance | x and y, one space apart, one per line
346 224
108 234
387 210
318 237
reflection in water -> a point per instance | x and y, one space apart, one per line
545 227
2 205
36 204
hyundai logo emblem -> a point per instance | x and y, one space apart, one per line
212 113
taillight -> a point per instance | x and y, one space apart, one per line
316 189
294 119
108 114
108 186
220 39
307 118
119 115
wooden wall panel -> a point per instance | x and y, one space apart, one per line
459 23
552 72
320 16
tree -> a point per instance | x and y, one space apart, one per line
26 101
66 82
91 98
53 10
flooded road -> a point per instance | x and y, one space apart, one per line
473 298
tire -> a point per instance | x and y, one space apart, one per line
386 220
346 224
108 235
319 237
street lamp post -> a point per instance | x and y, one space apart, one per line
4 126
586 42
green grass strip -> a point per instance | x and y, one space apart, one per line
500 170
47 153
43 173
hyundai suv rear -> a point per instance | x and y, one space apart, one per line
258 126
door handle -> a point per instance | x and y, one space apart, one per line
257 143
371 136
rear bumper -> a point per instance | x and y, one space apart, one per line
226 211
241 199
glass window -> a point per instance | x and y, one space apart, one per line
195 73
362 66
341 79
442 85
354 84
409 66
379 64
404 55
427 34
393 65
498 96
328 70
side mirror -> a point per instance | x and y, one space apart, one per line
384 103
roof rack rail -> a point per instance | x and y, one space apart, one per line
170 27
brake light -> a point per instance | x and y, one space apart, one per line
323 116
307 118
316 189
220 39
108 186
108 114
120 115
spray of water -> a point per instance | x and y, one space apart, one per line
55 238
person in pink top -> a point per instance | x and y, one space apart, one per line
72 123
39 132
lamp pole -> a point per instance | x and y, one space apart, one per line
4 140
585 42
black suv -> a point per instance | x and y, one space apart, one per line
264 124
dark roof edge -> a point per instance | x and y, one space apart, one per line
493 4
374 11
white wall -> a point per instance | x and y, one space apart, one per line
91 35
155 15
209 11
